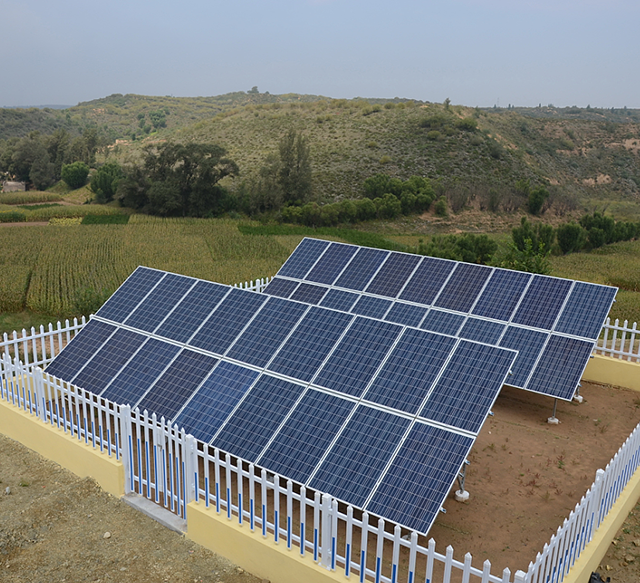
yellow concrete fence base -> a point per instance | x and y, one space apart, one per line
251 551
613 371
60 447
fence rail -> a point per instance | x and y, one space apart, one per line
172 468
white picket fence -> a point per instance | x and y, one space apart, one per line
172 468
620 341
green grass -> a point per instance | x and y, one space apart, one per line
354 236
105 219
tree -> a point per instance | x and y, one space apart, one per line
571 237
380 184
158 119
104 182
529 259
536 200
42 172
178 179
75 175
540 235
294 172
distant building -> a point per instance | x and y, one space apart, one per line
10 186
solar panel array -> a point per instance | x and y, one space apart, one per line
378 414
552 322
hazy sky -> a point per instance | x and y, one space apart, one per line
476 52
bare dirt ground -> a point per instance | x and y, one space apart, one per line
524 479
53 529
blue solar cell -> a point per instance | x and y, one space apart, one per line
305 436
359 455
427 280
339 300
463 287
500 297
357 357
542 302
442 322
372 307
310 294
529 343
177 384
281 287
107 361
586 310
420 477
560 367
230 317
331 263
83 346
192 310
406 314
249 429
469 385
361 269
259 342
303 258
308 346
393 275
157 305
134 380
215 399
482 330
414 363
130 294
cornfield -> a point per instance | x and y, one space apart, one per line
48 269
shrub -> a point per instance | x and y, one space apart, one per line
330 215
440 208
348 211
292 214
408 202
388 206
385 160
104 182
311 215
12 217
571 237
434 135
536 200
378 185
75 174
596 237
468 247
467 124
365 209
541 236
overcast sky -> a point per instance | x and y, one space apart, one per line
476 52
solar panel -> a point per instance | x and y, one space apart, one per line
76 354
303 258
360 453
157 305
542 302
465 391
469 301
205 413
177 383
249 428
308 346
133 381
413 365
339 300
357 357
577 321
306 435
372 307
420 477
427 281
331 264
463 287
362 267
188 315
280 287
107 361
259 342
129 294
311 294
560 366
227 321
393 275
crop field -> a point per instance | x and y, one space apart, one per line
67 270
53 270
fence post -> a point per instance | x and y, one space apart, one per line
192 469
38 382
326 532
126 447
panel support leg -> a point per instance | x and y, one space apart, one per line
553 420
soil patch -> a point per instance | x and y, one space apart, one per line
53 528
